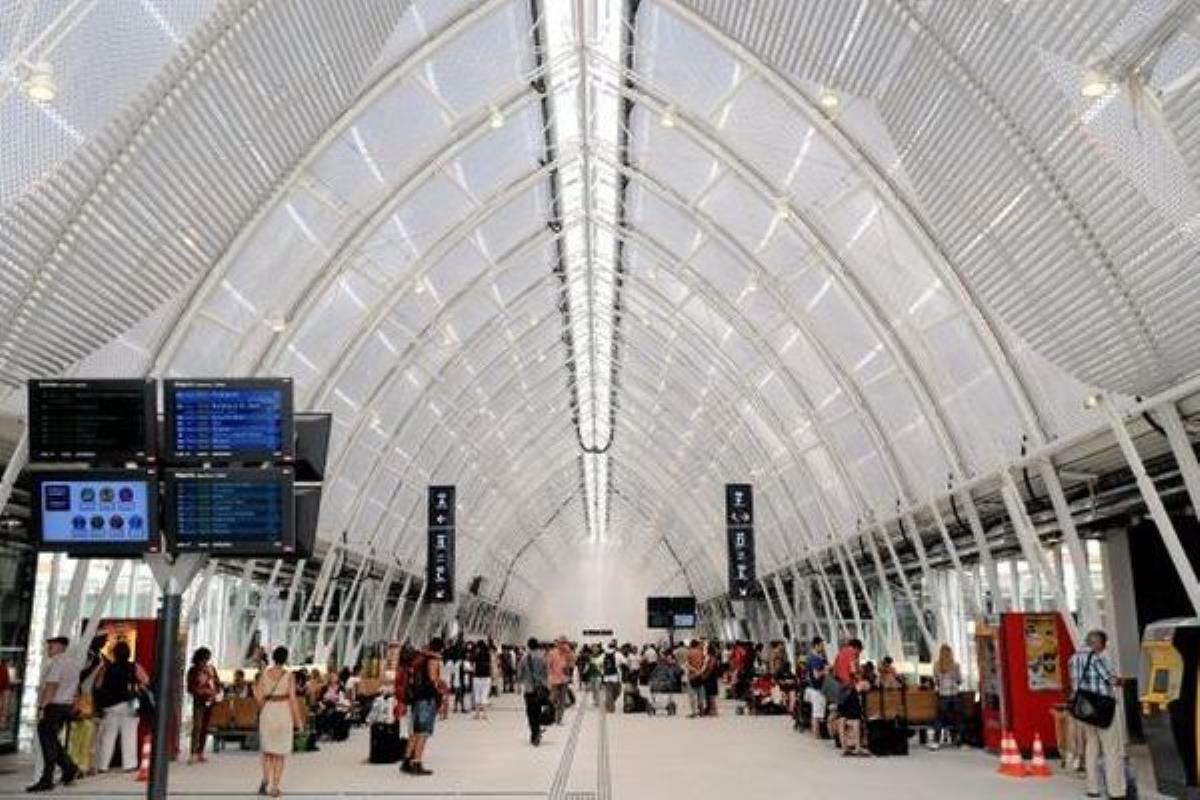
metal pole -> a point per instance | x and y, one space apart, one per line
164 689
990 570
1089 606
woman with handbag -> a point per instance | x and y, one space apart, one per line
1094 705
278 719
120 692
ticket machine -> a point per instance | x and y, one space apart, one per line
1170 679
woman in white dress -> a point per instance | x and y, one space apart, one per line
278 719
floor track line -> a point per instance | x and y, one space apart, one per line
603 766
558 788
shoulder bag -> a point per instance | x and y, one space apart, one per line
1092 708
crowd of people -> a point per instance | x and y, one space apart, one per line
824 693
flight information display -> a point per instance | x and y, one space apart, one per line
229 419
236 512
91 420
97 512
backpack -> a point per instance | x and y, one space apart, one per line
610 663
419 686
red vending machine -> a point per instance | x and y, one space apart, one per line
1023 675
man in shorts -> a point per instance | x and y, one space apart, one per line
425 691
816 667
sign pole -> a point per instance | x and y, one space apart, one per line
173 578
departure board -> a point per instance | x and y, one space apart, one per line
233 512
236 420
96 512
91 420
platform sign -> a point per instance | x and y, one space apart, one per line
739 532
439 569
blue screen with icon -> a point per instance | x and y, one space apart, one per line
95 512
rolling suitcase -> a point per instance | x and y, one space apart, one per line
386 744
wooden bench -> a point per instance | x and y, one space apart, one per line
234 719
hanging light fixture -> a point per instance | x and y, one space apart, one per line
40 85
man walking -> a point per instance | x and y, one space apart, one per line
559 664
426 690
56 698
531 675
1092 671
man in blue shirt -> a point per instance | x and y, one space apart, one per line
815 667
1092 671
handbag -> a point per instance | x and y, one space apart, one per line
143 702
1092 708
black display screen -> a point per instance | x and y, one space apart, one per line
245 420
237 512
91 420
96 512
659 613
670 612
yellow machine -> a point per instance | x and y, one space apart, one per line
1170 713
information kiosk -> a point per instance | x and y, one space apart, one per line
1170 714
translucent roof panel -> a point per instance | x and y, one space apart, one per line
590 267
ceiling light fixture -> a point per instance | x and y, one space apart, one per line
667 120
1093 400
496 120
1095 84
40 85
277 323
829 100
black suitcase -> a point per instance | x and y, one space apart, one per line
386 745
635 703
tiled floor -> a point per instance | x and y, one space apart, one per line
590 756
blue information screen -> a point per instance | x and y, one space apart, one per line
228 421
95 512
230 514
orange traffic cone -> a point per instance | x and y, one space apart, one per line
143 773
1039 768
1010 758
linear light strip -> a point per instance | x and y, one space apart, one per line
583 44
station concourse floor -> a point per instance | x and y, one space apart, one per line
594 756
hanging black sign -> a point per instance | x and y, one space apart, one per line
739 531
439 568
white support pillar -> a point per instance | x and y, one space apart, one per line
917 608
849 585
412 616
394 627
200 594
833 614
264 597
1089 606
952 551
911 530
293 593
985 552
1181 448
1120 614
885 587
1035 554
52 595
876 622
70 611
79 647
1166 529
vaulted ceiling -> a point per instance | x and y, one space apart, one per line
591 259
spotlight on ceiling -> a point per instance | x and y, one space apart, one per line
1095 84
496 120
1093 400
40 85
277 323
829 100
667 120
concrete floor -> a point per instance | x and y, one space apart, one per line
597 757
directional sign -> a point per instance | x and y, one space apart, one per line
439 568
739 531
441 507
